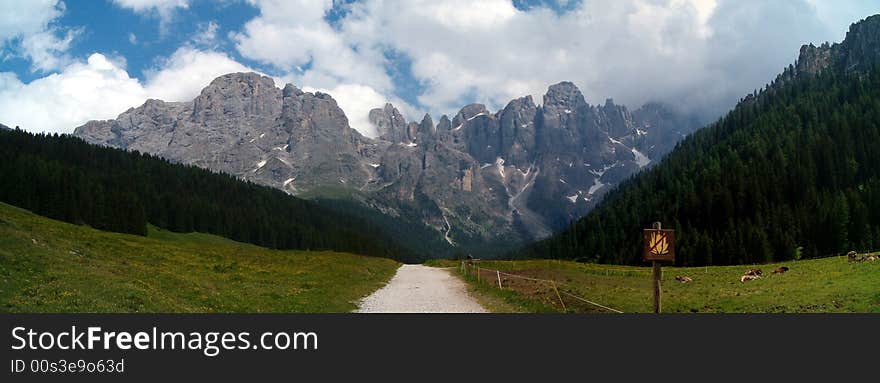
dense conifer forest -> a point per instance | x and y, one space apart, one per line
792 172
65 178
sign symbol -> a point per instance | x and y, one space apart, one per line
658 243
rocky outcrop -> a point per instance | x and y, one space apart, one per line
813 59
390 124
859 51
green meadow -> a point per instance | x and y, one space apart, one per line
810 286
51 266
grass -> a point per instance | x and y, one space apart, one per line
496 301
816 285
51 266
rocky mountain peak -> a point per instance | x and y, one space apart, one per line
427 124
444 124
471 110
426 130
291 91
858 52
427 121
324 96
563 95
620 120
245 81
237 95
390 124
520 104
861 47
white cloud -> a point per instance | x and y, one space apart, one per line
100 88
152 5
46 50
26 30
292 35
495 52
183 75
22 18
206 35
163 8
701 55
697 54
59 102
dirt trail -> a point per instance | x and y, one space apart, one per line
421 289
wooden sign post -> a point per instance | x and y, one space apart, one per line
659 247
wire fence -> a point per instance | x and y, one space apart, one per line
498 273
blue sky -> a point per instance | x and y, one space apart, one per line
65 62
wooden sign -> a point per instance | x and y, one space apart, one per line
659 245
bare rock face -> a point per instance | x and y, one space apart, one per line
149 128
525 170
389 123
242 124
320 145
517 131
813 59
478 177
859 51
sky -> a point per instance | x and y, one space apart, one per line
63 63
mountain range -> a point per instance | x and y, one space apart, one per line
480 178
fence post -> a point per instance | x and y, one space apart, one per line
657 274
558 296
478 273
498 274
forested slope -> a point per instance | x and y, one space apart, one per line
793 171
65 178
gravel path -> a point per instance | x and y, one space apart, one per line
421 289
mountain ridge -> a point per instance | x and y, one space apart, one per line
476 178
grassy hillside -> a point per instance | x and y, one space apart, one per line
816 285
51 266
